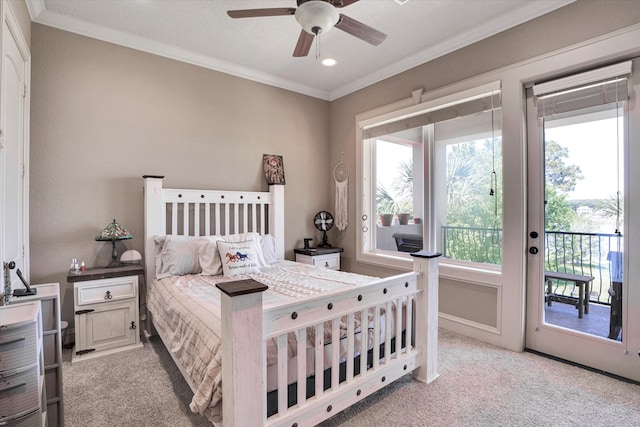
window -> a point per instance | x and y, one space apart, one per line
467 175
398 210
432 180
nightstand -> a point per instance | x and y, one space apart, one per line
106 310
320 257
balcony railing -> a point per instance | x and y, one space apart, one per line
472 244
586 254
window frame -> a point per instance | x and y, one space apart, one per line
366 184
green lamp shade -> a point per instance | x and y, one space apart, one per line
113 232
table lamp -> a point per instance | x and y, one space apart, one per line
114 232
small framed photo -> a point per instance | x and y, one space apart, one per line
273 167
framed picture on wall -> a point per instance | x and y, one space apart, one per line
273 167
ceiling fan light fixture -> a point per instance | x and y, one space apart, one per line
317 16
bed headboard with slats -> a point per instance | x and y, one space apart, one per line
209 212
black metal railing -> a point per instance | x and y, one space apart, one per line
472 244
585 254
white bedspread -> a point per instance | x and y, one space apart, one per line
186 311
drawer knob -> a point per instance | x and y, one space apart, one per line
108 295
133 325
326 264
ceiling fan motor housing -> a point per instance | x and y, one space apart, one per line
317 16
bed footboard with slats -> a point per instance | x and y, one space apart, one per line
408 344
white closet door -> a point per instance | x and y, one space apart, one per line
14 145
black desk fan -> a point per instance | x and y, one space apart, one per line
323 222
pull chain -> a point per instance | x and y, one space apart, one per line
493 191
494 180
617 231
318 31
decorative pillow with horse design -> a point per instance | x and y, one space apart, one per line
239 257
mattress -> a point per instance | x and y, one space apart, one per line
186 313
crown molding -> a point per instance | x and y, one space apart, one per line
35 8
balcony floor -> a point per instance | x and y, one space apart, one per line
566 315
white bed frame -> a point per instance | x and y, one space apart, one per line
247 326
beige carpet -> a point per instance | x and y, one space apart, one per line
479 385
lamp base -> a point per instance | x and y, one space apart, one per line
115 263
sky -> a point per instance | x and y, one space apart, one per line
391 155
593 147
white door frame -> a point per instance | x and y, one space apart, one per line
15 132
619 358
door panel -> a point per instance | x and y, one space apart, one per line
111 326
576 243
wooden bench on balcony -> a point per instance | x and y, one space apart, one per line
582 282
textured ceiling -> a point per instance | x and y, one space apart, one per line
260 49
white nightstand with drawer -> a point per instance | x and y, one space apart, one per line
106 311
320 257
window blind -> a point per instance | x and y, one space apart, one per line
591 90
484 102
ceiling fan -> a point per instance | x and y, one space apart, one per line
317 17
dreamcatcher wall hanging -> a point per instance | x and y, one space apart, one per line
341 177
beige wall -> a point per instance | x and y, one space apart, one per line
104 115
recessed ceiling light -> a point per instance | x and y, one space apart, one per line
329 62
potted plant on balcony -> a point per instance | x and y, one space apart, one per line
388 206
403 188
385 219
403 218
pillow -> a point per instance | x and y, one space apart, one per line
209 256
157 249
177 256
239 257
269 249
243 237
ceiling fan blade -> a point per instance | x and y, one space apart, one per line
304 44
360 30
343 3
255 13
